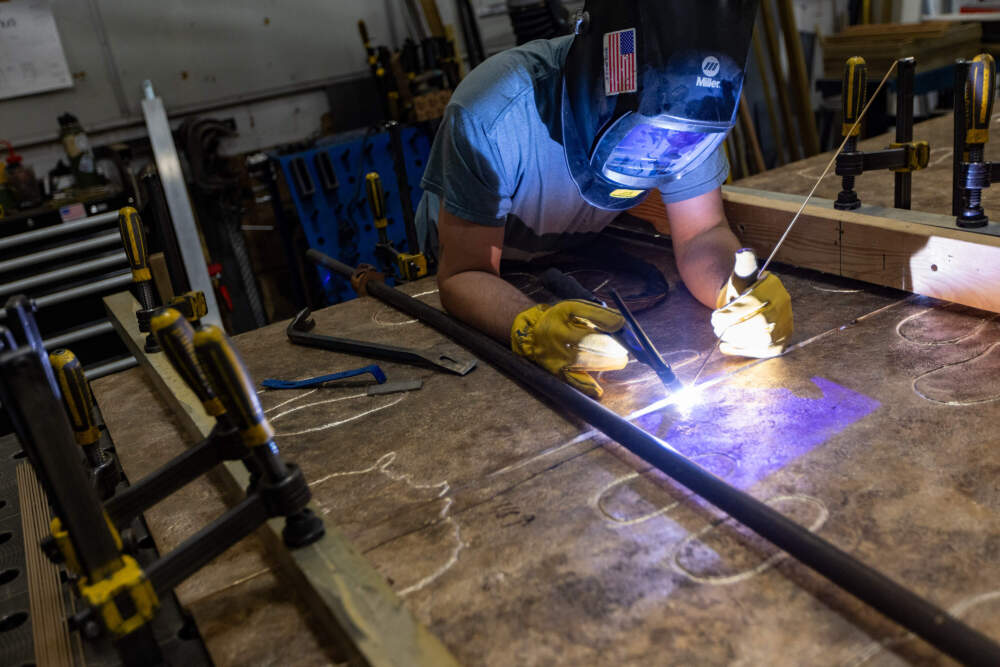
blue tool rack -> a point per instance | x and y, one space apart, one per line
327 184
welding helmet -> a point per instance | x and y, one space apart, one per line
650 90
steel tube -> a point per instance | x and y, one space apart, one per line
58 230
80 333
118 280
957 186
898 603
67 250
62 273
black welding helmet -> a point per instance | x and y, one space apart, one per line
650 89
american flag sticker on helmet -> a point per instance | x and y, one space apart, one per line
619 62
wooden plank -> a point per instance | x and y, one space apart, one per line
918 252
349 597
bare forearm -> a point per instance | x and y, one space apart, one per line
705 261
485 301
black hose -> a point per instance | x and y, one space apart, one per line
936 626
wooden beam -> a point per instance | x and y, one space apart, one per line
913 251
349 597
774 55
799 76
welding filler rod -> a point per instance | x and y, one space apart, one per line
898 603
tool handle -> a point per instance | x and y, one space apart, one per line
191 305
566 287
231 381
76 396
176 339
134 240
980 89
376 197
853 94
363 29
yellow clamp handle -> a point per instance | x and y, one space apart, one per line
76 396
231 381
980 89
107 594
134 240
376 198
192 305
853 94
176 339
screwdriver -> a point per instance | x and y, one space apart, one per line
79 403
137 251
979 93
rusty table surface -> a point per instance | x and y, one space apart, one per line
931 186
521 537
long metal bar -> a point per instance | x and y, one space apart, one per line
957 191
168 165
80 333
58 230
107 284
67 250
935 625
904 127
111 367
64 272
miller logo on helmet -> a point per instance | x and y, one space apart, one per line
710 66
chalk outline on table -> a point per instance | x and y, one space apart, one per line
766 564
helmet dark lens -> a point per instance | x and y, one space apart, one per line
648 151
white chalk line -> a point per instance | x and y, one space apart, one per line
389 309
957 610
951 341
978 401
382 466
340 422
597 501
313 404
768 563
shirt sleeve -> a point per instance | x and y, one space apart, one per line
465 170
707 176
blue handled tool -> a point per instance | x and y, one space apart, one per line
374 370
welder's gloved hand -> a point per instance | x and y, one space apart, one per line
757 324
570 339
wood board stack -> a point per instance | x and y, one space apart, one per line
933 43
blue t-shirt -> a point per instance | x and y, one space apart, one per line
498 158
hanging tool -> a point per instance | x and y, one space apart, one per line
377 65
410 266
137 251
976 86
470 32
631 337
848 134
79 403
299 333
904 156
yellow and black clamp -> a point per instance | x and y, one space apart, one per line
137 250
191 305
903 156
409 266
176 337
282 482
976 85
79 403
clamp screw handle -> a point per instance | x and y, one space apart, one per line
853 94
76 396
376 198
229 377
980 90
176 337
134 240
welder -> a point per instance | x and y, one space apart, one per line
543 145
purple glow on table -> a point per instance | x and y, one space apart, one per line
763 429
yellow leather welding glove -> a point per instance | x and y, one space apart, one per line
757 323
569 339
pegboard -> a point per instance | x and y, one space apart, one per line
327 186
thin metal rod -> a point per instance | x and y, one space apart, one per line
62 273
896 602
58 230
827 169
78 248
